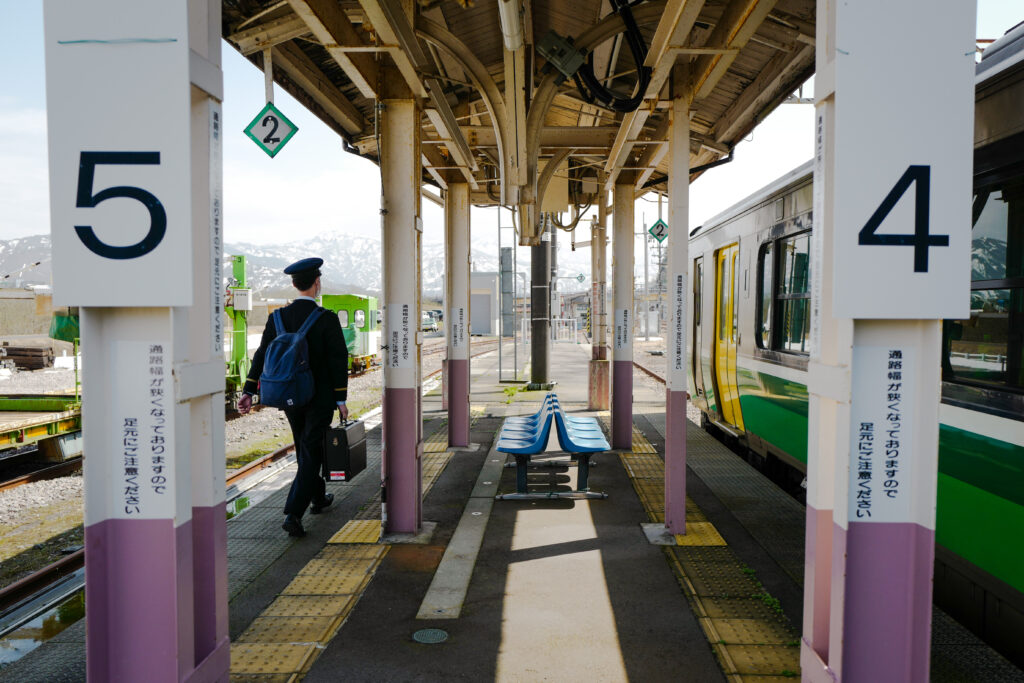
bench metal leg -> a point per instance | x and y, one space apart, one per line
522 462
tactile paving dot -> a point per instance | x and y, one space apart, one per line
337 567
717 578
310 606
737 608
353 551
269 658
755 632
358 531
325 585
263 678
696 553
287 630
700 533
764 659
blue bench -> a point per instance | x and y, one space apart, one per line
527 436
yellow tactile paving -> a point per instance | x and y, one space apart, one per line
326 585
288 629
328 567
743 623
309 606
263 678
269 658
700 533
339 551
358 531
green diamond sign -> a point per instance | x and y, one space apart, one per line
271 130
659 230
581 277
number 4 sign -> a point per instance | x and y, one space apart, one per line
271 130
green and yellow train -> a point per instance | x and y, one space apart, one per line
360 321
750 302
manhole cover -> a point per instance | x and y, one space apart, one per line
430 636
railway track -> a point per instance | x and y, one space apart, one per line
650 373
44 472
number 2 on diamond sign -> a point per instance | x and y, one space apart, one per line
271 130
120 154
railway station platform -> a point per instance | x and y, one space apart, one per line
554 589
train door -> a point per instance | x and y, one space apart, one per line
726 329
696 370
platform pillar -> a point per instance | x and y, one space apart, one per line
457 239
151 324
599 378
622 345
402 423
677 282
540 308
889 258
206 349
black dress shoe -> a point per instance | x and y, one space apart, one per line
293 526
320 506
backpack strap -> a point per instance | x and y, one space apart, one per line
310 319
278 323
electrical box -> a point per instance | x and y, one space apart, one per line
241 299
561 54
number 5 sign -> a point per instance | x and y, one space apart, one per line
118 110
903 136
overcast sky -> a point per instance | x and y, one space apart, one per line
315 188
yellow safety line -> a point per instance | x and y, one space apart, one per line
288 636
710 584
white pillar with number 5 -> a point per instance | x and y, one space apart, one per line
133 90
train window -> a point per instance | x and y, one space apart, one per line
784 295
360 318
765 265
343 318
987 349
793 293
724 294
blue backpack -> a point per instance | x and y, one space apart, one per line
287 381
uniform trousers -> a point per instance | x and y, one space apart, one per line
309 426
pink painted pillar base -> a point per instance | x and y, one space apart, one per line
136 567
675 461
888 602
597 388
401 461
817 579
210 579
458 402
622 404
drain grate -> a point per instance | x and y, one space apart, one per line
430 636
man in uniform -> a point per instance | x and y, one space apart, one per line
328 362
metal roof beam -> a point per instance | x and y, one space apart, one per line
332 27
673 28
551 136
310 78
772 83
268 34
393 27
736 27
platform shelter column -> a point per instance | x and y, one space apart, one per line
599 376
540 308
403 438
676 279
150 322
890 258
622 345
457 240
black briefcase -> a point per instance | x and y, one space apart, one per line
345 451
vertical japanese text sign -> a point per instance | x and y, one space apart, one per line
904 77
118 102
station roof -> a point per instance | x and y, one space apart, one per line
489 112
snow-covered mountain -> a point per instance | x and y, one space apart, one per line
351 264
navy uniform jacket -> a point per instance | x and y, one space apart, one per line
328 353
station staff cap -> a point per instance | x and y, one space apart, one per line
304 265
